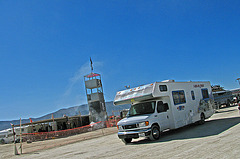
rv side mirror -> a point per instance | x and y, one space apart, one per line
166 107
121 115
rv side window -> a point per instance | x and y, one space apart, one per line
178 97
193 96
205 93
163 88
162 107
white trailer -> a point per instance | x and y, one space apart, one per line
6 136
222 98
163 106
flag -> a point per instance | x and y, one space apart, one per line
91 64
30 120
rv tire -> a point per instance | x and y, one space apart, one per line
228 103
155 133
202 120
127 140
2 141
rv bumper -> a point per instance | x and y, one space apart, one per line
134 134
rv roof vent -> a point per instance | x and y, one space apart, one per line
168 81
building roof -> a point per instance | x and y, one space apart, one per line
51 120
92 75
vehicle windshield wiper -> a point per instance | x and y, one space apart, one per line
134 114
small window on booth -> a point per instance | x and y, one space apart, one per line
193 96
163 88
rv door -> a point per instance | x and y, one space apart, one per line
163 115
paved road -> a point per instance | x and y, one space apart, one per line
217 138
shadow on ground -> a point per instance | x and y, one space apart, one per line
224 111
210 128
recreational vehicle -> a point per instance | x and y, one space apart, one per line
6 136
161 106
222 98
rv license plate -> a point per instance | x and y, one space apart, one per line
141 134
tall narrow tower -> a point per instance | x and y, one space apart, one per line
95 97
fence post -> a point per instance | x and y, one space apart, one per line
15 146
102 131
80 118
21 135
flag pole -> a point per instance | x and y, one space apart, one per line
91 65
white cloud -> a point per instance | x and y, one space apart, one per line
79 75
75 91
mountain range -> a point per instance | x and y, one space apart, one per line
71 111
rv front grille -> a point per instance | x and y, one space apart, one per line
130 126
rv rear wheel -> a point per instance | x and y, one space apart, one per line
155 133
127 140
202 120
2 141
228 103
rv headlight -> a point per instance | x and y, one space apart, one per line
142 124
120 127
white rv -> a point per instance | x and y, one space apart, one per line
6 136
223 98
163 106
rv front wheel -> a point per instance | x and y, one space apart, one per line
127 140
155 133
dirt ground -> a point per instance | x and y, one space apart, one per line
217 138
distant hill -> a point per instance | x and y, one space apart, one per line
71 111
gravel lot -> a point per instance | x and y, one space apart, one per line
217 138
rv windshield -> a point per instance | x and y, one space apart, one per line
142 108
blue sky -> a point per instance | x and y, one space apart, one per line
45 48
